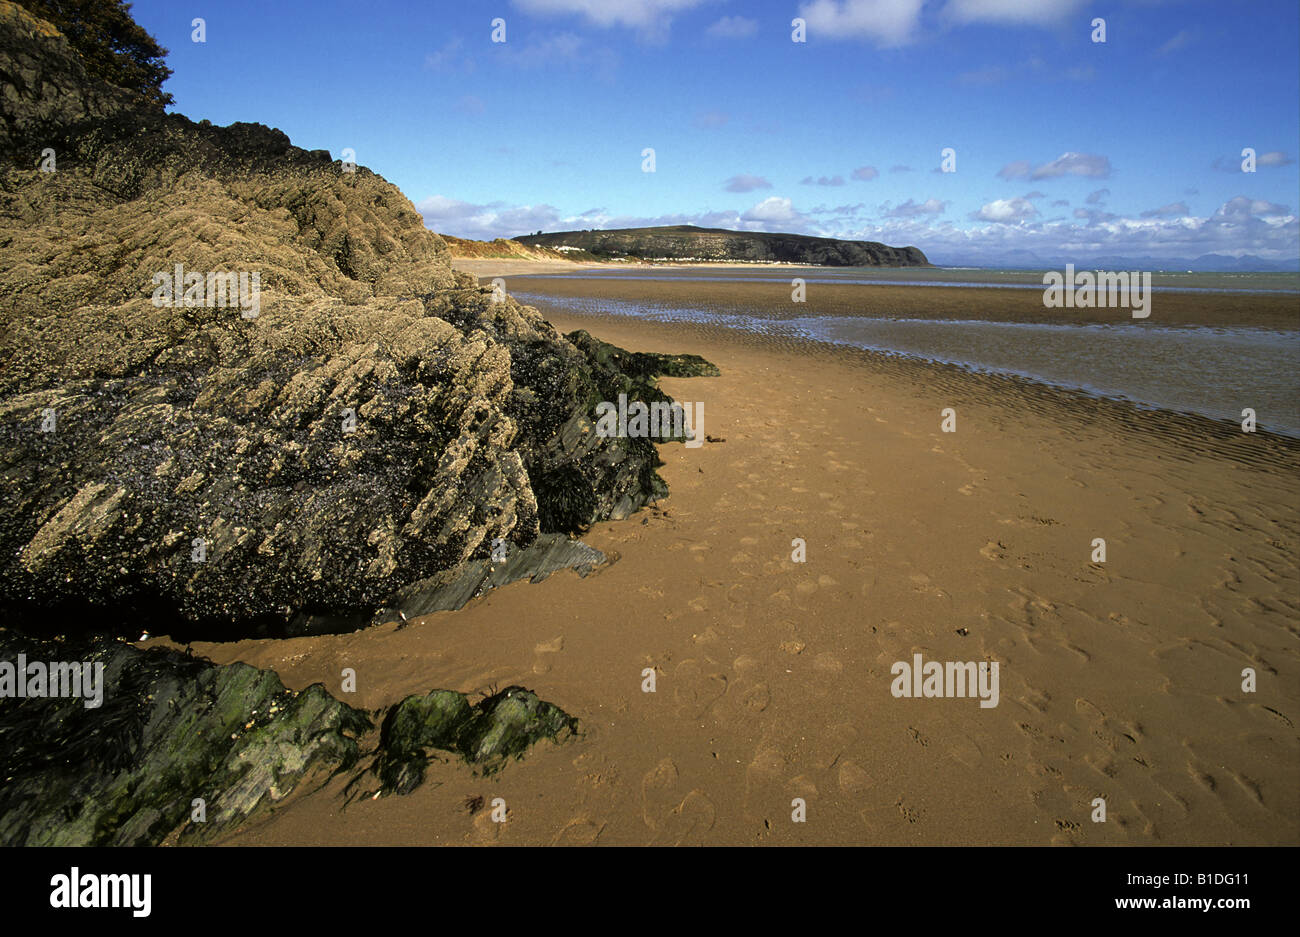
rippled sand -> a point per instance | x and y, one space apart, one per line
1119 680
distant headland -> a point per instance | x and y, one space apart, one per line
687 243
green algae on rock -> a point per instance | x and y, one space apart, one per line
504 725
178 737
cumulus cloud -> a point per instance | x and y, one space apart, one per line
773 209
1097 197
1094 215
1172 210
865 173
912 209
485 222
884 22
822 180
1242 208
733 27
744 183
1006 211
1242 225
1273 159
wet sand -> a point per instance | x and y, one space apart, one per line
772 298
1120 680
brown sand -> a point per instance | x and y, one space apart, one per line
1120 681
1251 310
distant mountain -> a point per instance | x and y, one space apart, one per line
687 242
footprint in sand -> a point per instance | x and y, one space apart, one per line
852 778
827 663
765 789
830 744
545 651
673 818
578 832
696 687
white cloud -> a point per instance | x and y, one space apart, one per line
1007 211
1074 164
1172 210
773 209
1097 197
865 173
1240 226
1067 164
822 180
485 222
647 15
886 22
733 27
1273 158
744 183
1242 208
911 209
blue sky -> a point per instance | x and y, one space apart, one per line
1068 148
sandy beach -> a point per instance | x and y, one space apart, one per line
1119 680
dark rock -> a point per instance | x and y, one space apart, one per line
500 727
172 728
187 469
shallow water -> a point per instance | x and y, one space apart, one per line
1215 372
967 277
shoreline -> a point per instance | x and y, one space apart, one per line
1118 679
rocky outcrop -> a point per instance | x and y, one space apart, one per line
179 748
687 242
44 86
504 725
292 451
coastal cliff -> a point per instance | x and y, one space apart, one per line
344 419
